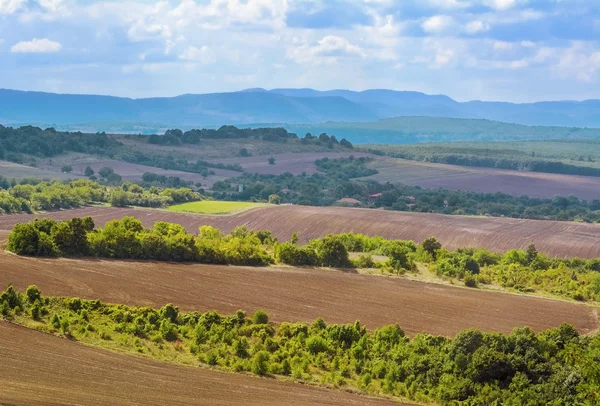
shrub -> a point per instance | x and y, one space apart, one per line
331 252
470 280
364 261
33 293
316 344
260 363
260 317
24 239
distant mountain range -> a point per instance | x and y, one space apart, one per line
294 106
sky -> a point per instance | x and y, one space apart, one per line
506 50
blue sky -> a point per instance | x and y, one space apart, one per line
511 50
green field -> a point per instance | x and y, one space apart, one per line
574 157
214 207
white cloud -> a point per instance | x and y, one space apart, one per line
42 45
502 45
501 4
527 44
327 50
203 55
11 6
476 26
437 24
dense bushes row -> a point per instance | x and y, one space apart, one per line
514 160
47 196
49 142
553 367
524 271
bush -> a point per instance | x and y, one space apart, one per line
331 251
24 239
316 344
260 363
470 280
32 293
260 317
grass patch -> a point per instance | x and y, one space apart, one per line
215 207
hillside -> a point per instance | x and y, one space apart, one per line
406 130
276 106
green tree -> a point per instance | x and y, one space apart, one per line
332 252
24 239
89 171
274 199
260 317
271 161
66 169
260 363
431 245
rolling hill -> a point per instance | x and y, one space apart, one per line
281 106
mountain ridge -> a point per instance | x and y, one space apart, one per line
284 105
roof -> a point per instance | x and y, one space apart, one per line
376 195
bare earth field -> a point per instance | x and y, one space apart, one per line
18 171
39 369
488 180
292 163
127 170
555 238
295 294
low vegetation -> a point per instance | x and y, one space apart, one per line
553 367
336 180
214 207
570 157
522 271
33 195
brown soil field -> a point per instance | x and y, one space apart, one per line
18 171
293 294
127 170
217 149
294 163
555 238
488 180
40 369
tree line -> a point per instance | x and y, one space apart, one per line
336 180
492 159
557 366
524 271
35 195
278 134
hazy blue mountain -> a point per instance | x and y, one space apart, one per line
294 106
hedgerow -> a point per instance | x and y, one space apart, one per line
553 367
524 271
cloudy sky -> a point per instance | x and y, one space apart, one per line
513 50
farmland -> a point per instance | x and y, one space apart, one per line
214 207
561 239
487 180
287 162
66 373
294 294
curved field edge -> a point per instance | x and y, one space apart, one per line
85 372
295 294
553 238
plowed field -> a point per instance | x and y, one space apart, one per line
486 180
555 238
290 294
39 369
